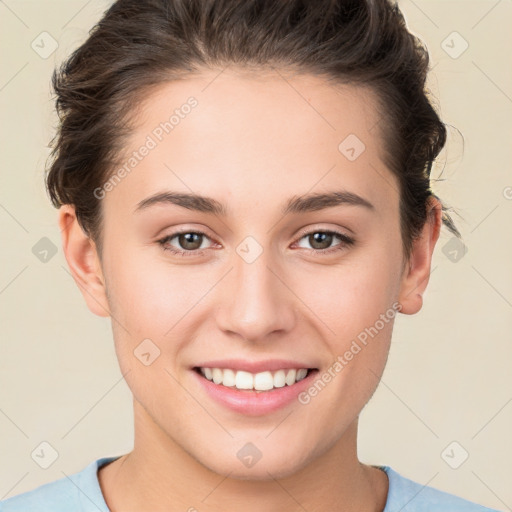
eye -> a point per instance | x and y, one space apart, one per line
189 243
321 241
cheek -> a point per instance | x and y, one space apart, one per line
153 300
151 296
360 316
354 306
350 297
149 306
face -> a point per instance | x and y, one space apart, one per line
293 253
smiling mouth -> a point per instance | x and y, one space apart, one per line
258 382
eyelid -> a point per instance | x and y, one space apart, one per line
321 228
188 229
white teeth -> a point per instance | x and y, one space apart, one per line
279 379
229 378
217 375
290 377
243 380
262 381
301 373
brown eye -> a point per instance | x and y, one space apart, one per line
321 242
190 241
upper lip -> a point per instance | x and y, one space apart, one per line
254 366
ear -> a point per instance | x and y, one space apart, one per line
84 263
417 270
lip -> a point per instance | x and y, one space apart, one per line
254 366
253 403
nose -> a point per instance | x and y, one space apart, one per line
256 301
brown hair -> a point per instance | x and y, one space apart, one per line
138 45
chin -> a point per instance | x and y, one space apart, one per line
279 466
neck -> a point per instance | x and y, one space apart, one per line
158 474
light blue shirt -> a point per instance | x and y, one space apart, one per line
81 492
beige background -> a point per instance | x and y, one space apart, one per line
449 375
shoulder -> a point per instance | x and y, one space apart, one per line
79 492
409 496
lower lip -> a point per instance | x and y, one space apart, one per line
254 403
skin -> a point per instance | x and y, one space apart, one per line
251 143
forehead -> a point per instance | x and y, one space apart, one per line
238 134
311 108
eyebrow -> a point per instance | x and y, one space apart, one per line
297 204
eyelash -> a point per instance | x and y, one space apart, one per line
346 241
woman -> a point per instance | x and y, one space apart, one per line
244 188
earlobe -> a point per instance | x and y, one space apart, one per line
83 261
417 270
